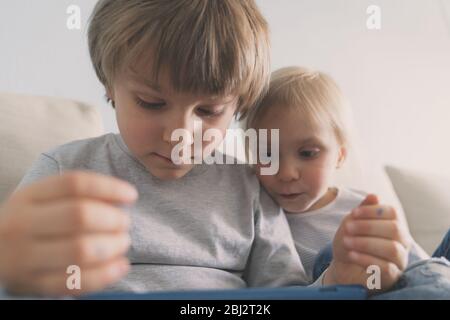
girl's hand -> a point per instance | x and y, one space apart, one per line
371 235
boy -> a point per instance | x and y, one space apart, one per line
314 122
164 65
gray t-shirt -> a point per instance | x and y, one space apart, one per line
213 228
315 229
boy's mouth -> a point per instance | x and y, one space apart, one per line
167 160
163 158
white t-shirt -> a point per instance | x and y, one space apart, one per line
315 229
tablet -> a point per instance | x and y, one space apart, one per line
340 292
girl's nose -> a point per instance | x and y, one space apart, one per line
287 173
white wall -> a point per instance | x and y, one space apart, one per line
397 78
40 55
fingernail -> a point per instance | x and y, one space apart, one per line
126 221
119 269
125 267
348 241
353 255
351 226
131 192
127 241
379 212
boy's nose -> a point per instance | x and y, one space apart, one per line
179 123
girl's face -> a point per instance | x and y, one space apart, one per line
307 161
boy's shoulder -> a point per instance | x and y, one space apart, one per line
99 153
233 173
79 151
230 163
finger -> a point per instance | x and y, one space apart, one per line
79 184
374 212
384 249
388 271
61 283
371 199
72 217
83 251
386 229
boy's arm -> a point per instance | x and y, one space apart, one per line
43 167
273 260
76 211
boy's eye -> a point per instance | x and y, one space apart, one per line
150 105
204 112
309 153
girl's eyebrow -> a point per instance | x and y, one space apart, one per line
309 140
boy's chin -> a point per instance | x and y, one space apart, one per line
169 173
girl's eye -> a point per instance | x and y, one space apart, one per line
150 105
209 113
309 153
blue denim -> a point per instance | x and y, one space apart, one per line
425 279
444 248
422 279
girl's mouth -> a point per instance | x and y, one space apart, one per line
290 196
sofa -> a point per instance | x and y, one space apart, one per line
32 124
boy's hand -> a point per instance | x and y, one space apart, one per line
60 221
371 234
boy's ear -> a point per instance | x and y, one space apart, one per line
109 94
110 97
342 157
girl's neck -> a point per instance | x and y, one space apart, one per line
326 199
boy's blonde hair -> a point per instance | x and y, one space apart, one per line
214 47
313 94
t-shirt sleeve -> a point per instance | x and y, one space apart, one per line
43 167
273 260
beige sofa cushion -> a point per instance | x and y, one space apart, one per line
425 200
30 125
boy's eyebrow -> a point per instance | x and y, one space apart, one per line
221 100
147 82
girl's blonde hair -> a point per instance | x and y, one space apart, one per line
313 94
216 47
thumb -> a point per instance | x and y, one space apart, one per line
371 199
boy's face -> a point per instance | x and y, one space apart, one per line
308 159
147 114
